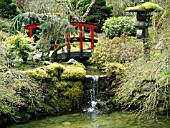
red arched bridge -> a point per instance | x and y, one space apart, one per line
68 53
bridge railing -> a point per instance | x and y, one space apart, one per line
70 40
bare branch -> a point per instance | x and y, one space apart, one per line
71 12
88 9
74 12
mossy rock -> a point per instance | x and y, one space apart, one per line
37 73
147 6
66 95
53 69
72 72
45 72
80 65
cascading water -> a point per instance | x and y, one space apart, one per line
90 93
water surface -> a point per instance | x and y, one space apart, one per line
87 120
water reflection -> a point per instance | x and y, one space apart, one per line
86 120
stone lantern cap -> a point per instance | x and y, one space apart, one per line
145 7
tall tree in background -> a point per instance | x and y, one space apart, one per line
99 13
90 11
74 8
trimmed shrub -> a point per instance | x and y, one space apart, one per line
116 26
63 86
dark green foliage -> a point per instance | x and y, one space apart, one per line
99 12
116 26
8 8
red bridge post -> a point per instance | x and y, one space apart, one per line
81 40
92 38
30 28
68 45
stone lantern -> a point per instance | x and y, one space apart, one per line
143 21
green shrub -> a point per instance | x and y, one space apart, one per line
114 69
119 49
19 46
78 64
116 26
63 95
37 73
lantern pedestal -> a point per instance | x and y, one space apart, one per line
143 22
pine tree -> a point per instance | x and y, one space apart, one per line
100 12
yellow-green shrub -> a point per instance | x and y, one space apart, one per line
78 64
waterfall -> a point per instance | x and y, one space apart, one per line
90 93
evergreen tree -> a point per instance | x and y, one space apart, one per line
100 11
8 9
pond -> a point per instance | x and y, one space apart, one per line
92 120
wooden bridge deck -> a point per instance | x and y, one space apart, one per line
65 55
